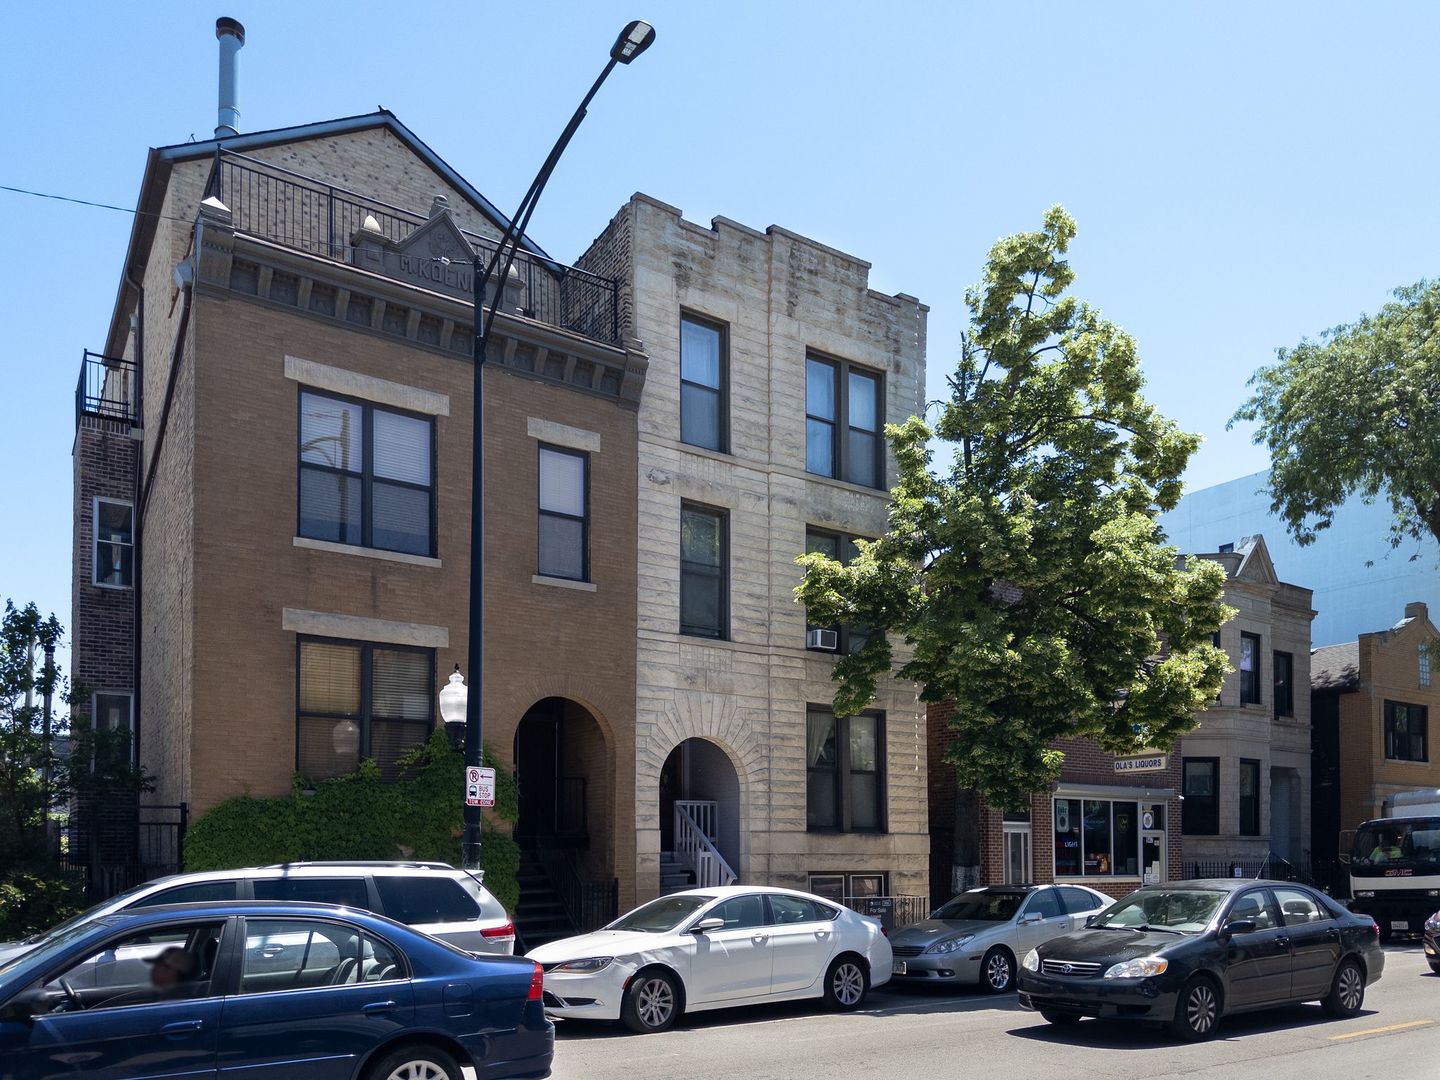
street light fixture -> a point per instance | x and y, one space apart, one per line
633 40
453 696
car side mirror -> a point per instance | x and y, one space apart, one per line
704 926
1090 919
1344 858
1239 926
1032 917
27 1005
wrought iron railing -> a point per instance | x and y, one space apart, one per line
106 388
115 845
589 904
1273 867
301 212
892 911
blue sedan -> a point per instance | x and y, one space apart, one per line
266 991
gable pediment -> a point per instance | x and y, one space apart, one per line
437 255
1256 565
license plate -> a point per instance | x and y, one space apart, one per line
1399 924
898 968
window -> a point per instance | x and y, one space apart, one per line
366 475
348 891
849 638
740 913
1424 665
1045 903
1079 901
1225 548
1249 797
360 701
1200 813
1249 669
845 789
794 909
564 513
112 721
843 407
202 892
1096 838
1284 684
1256 905
114 562
300 954
420 901
704 572
166 963
1405 731
1299 907
844 888
703 383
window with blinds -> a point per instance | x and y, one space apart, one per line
356 701
564 523
366 475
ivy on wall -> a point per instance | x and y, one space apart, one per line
361 817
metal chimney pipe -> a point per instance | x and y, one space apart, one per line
232 38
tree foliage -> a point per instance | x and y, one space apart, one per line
361 816
1356 412
1030 580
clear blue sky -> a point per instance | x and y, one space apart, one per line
1243 174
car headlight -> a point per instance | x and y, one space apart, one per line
1031 961
1433 923
951 945
1142 968
584 967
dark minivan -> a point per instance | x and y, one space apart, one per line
1187 953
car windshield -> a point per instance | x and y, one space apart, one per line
661 915
23 966
115 903
981 907
1188 911
1393 848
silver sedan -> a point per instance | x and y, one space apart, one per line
977 936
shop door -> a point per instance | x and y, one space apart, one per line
1153 857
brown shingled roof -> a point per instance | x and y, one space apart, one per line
1335 667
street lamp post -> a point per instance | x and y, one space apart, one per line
633 40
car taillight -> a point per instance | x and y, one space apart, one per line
1375 928
883 931
508 930
537 984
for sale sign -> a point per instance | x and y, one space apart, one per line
479 786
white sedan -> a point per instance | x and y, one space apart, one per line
714 949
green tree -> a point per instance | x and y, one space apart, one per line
1030 580
1356 412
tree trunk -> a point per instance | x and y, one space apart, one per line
965 852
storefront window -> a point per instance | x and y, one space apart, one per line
1097 838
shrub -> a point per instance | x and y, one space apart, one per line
362 817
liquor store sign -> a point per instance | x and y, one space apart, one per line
1140 763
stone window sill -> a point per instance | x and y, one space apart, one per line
563 583
364 552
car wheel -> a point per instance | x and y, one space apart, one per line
1197 1011
1059 1019
1347 991
652 1003
1435 967
997 971
415 1063
846 984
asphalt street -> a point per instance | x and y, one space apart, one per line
925 1032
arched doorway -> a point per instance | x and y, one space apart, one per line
699 816
562 768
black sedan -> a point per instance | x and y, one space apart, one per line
1188 953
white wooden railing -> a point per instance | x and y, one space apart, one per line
695 831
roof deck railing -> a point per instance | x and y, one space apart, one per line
309 215
106 388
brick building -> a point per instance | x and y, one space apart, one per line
272 466
1370 709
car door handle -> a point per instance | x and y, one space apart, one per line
822 934
1283 941
269 952
760 939
1332 934
378 1008
181 1028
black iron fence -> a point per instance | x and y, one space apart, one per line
892 911
116 845
1273 867
106 388
589 904
304 213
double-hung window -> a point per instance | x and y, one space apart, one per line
704 571
1249 669
843 409
112 722
1284 663
841 548
844 772
1249 797
703 370
1405 731
357 700
114 555
366 475
564 524
1200 813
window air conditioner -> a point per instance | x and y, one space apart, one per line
825 640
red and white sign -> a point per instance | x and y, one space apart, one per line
479 786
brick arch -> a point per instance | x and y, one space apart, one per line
564 685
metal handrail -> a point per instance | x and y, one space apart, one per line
106 388
696 849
